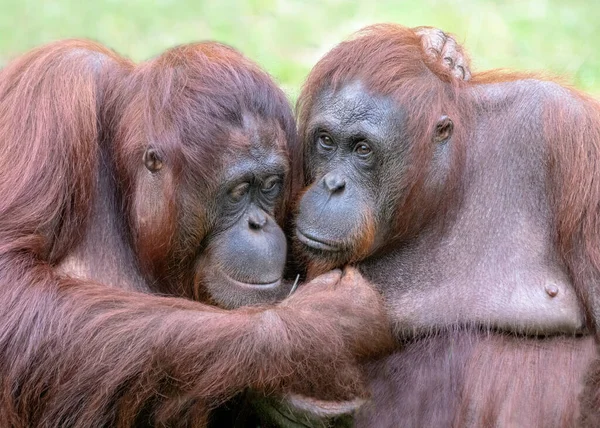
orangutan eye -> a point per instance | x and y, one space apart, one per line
270 184
363 149
326 142
152 160
239 191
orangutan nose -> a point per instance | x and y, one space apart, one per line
257 220
334 182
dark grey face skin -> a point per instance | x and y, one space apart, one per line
357 147
349 137
246 254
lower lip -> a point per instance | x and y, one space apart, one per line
312 243
265 286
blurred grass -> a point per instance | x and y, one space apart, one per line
288 36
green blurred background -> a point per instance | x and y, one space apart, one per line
288 36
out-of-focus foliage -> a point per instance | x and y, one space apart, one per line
288 36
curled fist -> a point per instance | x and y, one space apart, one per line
361 318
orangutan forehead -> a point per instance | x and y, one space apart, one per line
259 141
247 168
352 107
249 164
257 136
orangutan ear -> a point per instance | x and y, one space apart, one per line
443 130
152 160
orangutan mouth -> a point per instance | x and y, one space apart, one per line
255 285
318 243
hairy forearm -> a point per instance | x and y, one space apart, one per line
83 350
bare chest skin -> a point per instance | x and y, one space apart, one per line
495 265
